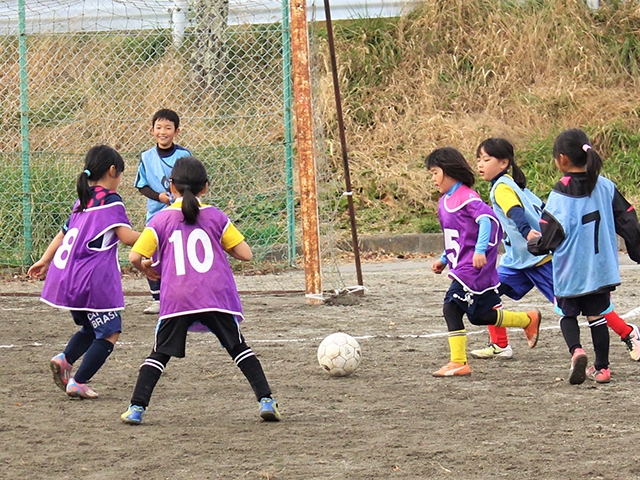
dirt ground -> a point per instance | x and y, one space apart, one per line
516 419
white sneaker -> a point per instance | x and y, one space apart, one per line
493 351
633 342
153 308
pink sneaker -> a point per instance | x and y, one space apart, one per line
578 367
80 390
61 371
599 376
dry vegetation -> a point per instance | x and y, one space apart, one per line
454 72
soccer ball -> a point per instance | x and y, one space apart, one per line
339 354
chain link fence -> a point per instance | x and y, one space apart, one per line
68 85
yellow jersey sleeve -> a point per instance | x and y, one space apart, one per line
147 244
231 237
506 198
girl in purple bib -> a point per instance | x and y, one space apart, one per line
191 241
83 273
472 234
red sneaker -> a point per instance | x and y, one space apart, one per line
599 376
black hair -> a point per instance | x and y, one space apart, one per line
166 114
502 149
575 145
97 163
189 177
452 163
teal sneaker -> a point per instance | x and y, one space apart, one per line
133 415
269 410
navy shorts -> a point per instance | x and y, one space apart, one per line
474 305
171 333
592 305
102 324
516 284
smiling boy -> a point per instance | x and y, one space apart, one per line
154 171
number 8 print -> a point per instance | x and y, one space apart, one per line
197 235
63 252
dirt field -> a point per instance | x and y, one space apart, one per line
516 419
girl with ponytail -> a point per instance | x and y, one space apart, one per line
584 212
83 274
192 240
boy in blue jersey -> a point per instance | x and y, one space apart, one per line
583 214
154 171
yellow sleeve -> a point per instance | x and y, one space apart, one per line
506 198
231 237
147 243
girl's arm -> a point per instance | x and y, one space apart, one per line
509 201
127 235
484 234
627 225
552 236
144 265
39 268
241 251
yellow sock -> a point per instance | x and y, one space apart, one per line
458 346
512 319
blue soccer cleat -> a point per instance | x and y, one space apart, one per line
269 410
133 415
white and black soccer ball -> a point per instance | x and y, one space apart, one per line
339 354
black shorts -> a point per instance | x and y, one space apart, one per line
473 305
171 333
592 305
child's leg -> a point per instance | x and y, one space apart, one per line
106 327
498 336
617 324
94 358
251 367
529 321
458 365
148 377
515 284
453 315
154 288
226 328
62 364
600 338
78 344
571 333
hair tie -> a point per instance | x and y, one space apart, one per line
586 147
88 173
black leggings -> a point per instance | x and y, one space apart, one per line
453 314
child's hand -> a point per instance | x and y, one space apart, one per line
164 197
148 270
533 234
438 267
38 269
479 260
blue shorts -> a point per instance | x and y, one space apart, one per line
516 284
102 324
473 305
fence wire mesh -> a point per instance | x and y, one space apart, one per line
71 79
